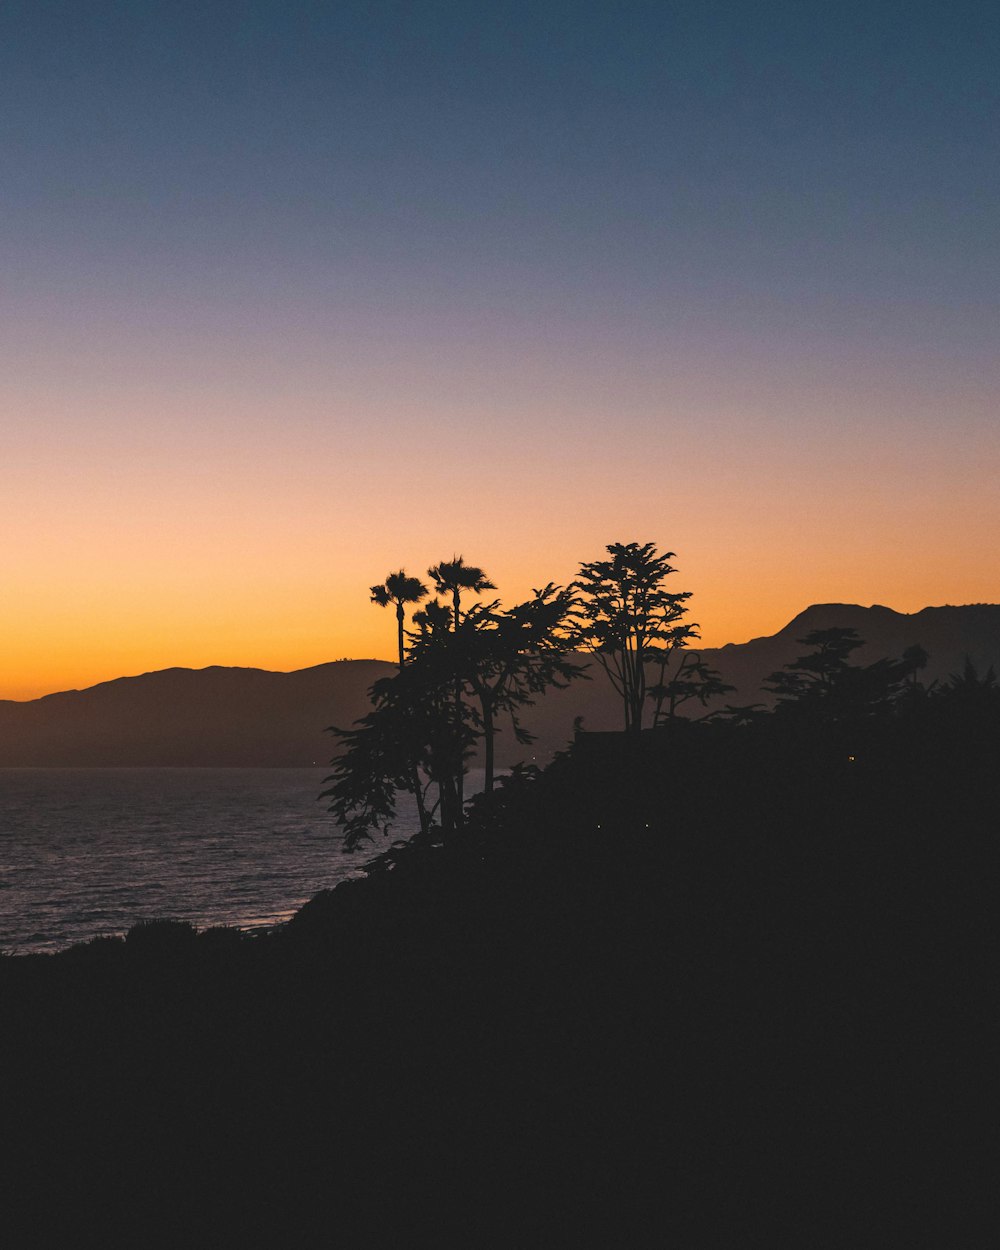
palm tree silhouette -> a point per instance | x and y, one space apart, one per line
400 590
451 577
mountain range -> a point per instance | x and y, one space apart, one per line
253 718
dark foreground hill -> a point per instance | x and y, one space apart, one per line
248 717
725 987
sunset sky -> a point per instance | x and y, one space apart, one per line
295 294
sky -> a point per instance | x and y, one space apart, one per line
296 294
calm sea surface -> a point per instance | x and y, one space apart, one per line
87 851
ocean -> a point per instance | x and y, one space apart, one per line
92 851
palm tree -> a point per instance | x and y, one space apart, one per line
452 577
400 590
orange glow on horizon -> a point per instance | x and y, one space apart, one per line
79 643
218 531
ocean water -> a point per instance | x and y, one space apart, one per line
89 851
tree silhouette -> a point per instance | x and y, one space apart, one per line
693 678
399 589
823 687
915 659
969 695
624 615
403 744
451 577
435 654
512 656
820 671
418 735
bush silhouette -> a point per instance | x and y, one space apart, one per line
161 936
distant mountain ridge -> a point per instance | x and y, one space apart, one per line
246 717
191 717
949 635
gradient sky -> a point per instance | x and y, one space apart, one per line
293 294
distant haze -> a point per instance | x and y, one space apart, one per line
235 716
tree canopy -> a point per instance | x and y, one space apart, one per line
626 617
469 671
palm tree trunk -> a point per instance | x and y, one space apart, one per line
459 763
418 792
399 625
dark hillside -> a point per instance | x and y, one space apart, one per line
719 987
